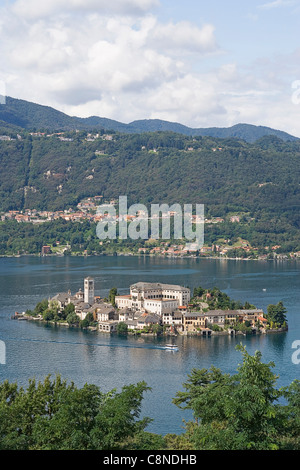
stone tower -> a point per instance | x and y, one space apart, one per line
89 290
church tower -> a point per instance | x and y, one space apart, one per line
89 290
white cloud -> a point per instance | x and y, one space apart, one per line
85 60
277 3
185 36
32 9
98 54
188 99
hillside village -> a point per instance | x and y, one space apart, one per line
152 307
87 211
51 187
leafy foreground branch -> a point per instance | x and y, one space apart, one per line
231 412
242 411
56 416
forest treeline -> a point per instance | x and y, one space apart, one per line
242 411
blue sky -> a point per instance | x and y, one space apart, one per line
243 28
201 64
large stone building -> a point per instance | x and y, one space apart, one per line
150 304
154 298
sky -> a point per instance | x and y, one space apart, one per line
198 63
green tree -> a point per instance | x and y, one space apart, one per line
122 328
277 314
198 291
84 323
157 328
69 308
112 294
291 428
41 307
73 319
90 318
54 415
236 412
48 315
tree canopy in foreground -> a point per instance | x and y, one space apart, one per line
243 411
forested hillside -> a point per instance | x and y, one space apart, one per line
259 181
225 174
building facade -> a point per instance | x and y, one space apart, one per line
154 298
151 303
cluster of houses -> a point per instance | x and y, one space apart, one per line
87 210
149 304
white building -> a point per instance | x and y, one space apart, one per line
154 298
160 307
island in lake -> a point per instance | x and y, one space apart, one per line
156 308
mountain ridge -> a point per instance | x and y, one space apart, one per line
17 114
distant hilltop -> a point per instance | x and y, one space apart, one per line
20 114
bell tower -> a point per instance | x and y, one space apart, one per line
89 290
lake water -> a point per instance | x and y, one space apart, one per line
35 350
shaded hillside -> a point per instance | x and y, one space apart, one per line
26 115
20 114
151 167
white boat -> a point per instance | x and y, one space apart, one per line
171 347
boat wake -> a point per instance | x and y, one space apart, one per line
80 343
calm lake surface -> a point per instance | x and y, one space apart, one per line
35 350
